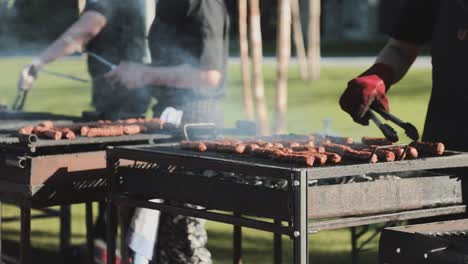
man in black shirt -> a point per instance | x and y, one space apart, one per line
444 25
189 48
120 36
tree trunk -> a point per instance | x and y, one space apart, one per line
81 6
299 39
314 39
283 55
257 64
245 60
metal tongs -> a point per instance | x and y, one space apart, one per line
20 99
410 130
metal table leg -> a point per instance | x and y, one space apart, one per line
354 241
300 236
237 243
25 240
124 223
278 246
89 232
65 227
111 213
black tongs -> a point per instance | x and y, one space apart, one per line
410 130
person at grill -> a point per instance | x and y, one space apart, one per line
444 25
189 49
117 37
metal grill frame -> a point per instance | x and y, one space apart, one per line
298 227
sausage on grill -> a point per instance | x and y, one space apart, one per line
333 158
429 148
360 156
193 145
110 131
412 153
376 141
340 140
131 129
26 130
51 134
231 148
266 152
305 160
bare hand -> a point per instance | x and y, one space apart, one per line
128 75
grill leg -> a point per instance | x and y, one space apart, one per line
237 238
300 235
123 216
25 240
1 215
65 227
111 213
354 241
278 246
89 232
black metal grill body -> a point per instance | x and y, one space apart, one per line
48 172
434 243
306 207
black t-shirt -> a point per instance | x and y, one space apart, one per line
194 32
416 21
123 37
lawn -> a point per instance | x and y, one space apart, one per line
309 104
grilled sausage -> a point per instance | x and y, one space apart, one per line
336 148
360 156
429 148
376 141
131 129
333 158
84 131
26 130
412 153
46 124
384 155
231 148
110 131
251 147
51 134
265 152
304 160
193 145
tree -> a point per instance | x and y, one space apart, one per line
299 39
257 65
283 54
314 39
245 60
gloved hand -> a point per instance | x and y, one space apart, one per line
172 116
367 91
28 76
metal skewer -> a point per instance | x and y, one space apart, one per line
66 76
101 59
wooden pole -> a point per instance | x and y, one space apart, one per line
81 6
257 64
245 60
299 39
283 55
314 39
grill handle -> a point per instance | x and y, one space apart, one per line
211 127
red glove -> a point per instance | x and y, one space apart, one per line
367 91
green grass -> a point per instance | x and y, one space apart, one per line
309 104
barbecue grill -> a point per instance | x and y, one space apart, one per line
435 243
38 173
296 201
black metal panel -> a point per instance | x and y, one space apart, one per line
207 192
